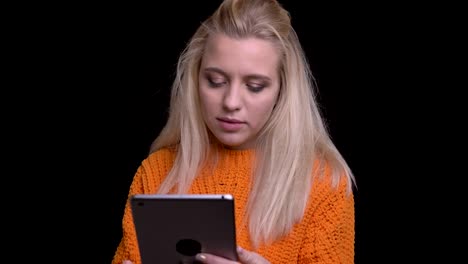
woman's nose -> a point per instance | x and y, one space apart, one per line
233 98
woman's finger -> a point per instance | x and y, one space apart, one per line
249 257
212 259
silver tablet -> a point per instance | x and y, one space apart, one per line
174 228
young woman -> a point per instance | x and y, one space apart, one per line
243 120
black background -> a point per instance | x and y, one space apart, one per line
96 94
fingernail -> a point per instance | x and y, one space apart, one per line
239 249
200 257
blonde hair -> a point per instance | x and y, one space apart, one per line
287 146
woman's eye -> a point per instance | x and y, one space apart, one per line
216 83
255 87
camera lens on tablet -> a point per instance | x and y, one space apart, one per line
188 247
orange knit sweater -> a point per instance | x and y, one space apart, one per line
324 235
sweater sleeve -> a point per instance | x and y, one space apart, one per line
128 246
331 230
147 178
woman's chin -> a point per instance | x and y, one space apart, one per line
235 143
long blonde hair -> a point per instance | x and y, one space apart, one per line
287 146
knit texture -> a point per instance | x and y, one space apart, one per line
324 235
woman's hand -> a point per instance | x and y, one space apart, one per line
245 257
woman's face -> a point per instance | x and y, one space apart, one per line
238 87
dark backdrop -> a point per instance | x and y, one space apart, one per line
105 71
131 52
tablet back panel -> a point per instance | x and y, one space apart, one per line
174 228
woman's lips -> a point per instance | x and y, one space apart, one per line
230 125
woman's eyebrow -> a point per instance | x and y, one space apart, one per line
249 76
214 69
